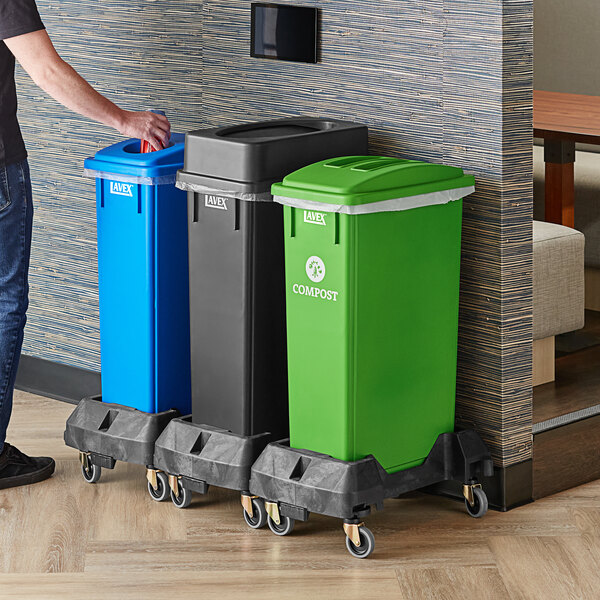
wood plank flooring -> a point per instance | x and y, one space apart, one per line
65 539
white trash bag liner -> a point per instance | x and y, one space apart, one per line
137 179
396 204
211 191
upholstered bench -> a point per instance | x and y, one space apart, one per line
558 291
587 211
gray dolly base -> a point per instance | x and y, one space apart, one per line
105 433
195 456
294 483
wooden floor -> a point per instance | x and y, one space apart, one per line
65 539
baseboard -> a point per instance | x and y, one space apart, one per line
55 380
508 488
566 456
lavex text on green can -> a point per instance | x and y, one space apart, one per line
314 217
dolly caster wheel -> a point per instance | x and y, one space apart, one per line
161 492
367 543
285 527
480 503
278 524
259 515
185 496
91 473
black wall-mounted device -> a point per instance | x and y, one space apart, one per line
284 32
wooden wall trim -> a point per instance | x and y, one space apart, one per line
566 457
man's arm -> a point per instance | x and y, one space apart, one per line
37 55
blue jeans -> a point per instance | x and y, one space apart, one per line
16 220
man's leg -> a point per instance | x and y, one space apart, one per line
16 219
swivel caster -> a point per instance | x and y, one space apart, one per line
284 527
255 513
91 472
181 498
278 524
360 541
475 500
158 485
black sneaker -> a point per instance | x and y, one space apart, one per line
17 468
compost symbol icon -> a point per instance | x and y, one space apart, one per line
315 269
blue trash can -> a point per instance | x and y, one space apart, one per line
143 276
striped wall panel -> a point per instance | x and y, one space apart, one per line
488 112
141 54
436 80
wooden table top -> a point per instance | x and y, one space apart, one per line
566 116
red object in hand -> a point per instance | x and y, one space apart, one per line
145 145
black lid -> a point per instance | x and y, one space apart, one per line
264 152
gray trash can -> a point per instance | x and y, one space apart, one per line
237 289
237 299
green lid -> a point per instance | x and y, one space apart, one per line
359 180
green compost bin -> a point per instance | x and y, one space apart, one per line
372 260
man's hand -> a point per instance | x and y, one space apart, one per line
38 57
148 126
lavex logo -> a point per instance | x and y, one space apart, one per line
314 217
215 202
121 189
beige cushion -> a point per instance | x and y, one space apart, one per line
587 199
558 279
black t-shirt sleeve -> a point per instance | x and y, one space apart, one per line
18 17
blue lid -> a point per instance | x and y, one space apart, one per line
125 158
